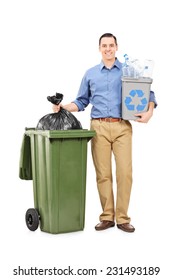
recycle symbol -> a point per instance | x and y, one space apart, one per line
136 94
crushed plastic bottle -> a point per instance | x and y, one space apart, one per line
129 67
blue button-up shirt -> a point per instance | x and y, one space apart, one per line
102 87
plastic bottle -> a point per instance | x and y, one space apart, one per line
148 68
130 67
126 66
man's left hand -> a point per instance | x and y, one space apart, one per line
144 117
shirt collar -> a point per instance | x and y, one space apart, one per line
117 64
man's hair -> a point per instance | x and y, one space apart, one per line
108 35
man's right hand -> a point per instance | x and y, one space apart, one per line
71 107
56 108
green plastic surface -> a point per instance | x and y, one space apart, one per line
59 163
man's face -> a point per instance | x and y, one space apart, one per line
108 48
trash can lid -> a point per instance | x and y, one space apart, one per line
74 133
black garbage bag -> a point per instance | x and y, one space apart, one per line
63 120
55 99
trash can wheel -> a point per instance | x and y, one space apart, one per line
32 219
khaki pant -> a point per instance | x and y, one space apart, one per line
113 137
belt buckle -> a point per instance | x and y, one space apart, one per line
108 119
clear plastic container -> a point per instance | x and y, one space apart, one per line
148 68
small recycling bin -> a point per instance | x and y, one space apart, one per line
135 96
59 163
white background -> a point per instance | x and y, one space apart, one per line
46 46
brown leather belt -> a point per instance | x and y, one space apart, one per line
108 119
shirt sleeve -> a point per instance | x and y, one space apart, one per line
152 98
82 99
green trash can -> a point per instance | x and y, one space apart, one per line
59 164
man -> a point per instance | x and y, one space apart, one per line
102 87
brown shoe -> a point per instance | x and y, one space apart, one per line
126 227
104 225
